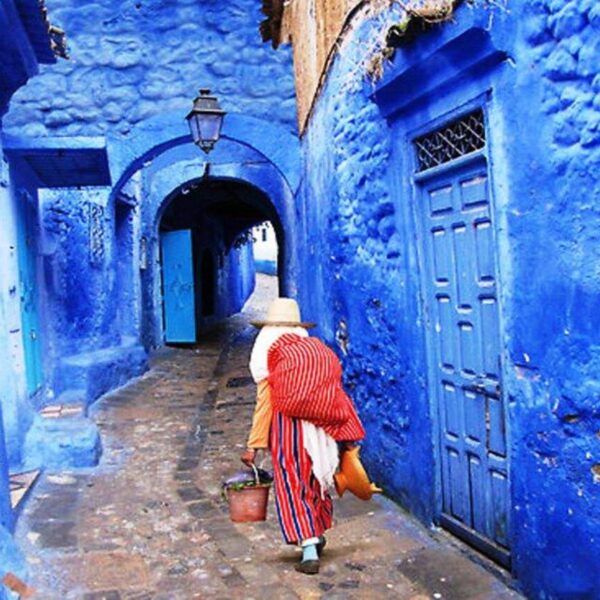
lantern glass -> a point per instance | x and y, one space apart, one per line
205 121
209 126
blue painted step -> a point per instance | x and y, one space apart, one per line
67 442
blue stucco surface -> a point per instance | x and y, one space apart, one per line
131 61
20 57
535 69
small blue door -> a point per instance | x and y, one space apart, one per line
461 299
178 286
27 259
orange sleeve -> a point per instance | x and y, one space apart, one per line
261 421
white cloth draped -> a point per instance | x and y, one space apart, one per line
323 451
268 335
321 447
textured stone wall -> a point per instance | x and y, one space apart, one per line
554 318
363 283
133 59
361 286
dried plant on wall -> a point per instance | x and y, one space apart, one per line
398 23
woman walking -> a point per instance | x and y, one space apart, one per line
301 414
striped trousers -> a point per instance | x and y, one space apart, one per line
301 510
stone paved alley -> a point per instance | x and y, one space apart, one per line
149 522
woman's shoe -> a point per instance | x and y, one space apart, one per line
308 567
321 545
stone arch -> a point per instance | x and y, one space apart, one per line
177 164
278 206
155 136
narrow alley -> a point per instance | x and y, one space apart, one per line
402 195
150 522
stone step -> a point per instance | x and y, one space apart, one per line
62 442
91 374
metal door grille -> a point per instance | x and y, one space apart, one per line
96 234
461 137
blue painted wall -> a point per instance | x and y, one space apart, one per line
540 87
134 60
20 54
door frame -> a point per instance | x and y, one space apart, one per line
404 158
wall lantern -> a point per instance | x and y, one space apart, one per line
205 121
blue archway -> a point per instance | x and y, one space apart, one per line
162 149
278 145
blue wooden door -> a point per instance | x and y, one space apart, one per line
464 341
27 258
178 286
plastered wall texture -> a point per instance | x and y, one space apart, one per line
134 59
364 289
362 296
18 63
92 340
553 234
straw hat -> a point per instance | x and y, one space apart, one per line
283 312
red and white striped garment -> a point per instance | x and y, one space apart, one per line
305 377
302 509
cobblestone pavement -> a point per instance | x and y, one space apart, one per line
150 523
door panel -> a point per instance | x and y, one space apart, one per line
178 286
27 258
461 294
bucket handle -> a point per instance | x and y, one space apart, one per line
256 475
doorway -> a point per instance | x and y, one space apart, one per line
27 260
207 253
207 283
179 298
460 293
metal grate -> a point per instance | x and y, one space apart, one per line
457 139
96 234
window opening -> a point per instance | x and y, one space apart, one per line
459 138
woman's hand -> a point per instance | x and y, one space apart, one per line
248 457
